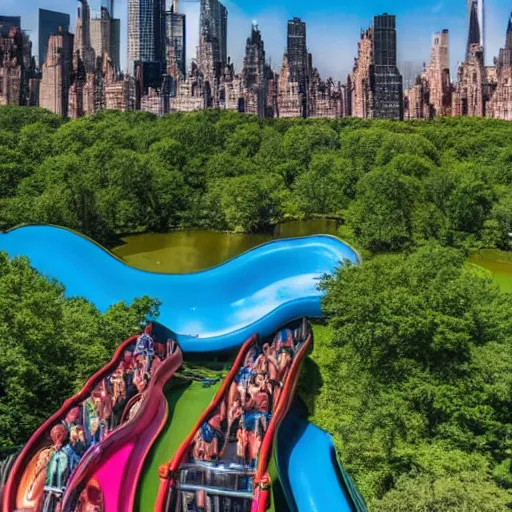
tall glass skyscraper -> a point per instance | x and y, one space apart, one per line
49 23
176 35
146 32
388 82
297 52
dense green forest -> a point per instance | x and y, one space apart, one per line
50 345
412 373
413 376
393 184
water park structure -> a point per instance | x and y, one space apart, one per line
137 437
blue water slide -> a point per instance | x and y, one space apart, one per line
214 310
312 478
210 310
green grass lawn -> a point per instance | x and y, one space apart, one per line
186 404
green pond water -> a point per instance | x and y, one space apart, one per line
193 250
499 263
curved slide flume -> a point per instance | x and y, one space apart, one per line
210 310
14 493
57 455
247 455
311 476
116 463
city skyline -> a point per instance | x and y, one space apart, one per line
331 37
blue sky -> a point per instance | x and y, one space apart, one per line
333 26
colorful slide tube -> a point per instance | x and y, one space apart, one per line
211 311
252 401
105 430
324 485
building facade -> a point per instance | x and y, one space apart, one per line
375 86
18 77
11 67
49 23
297 52
500 105
115 43
431 95
8 22
437 76
360 82
253 73
176 39
100 33
212 50
56 73
146 33
387 80
82 41
289 94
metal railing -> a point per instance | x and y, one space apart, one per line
210 488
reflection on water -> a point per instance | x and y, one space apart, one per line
497 262
192 250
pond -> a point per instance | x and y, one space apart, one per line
192 250
499 263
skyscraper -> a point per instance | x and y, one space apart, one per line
213 23
176 36
146 33
113 28
254 61
11 66
7 22
115 42
100 33
387 82
49 23
57 71
297 52
437 75
254 72
505 59
500 105
82 42
476 26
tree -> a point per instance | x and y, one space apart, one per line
50 345
301 141
411 165
361 146
328 185
248 203
401 144
500 221
170 153
35 142
244 141
422 345
381 216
